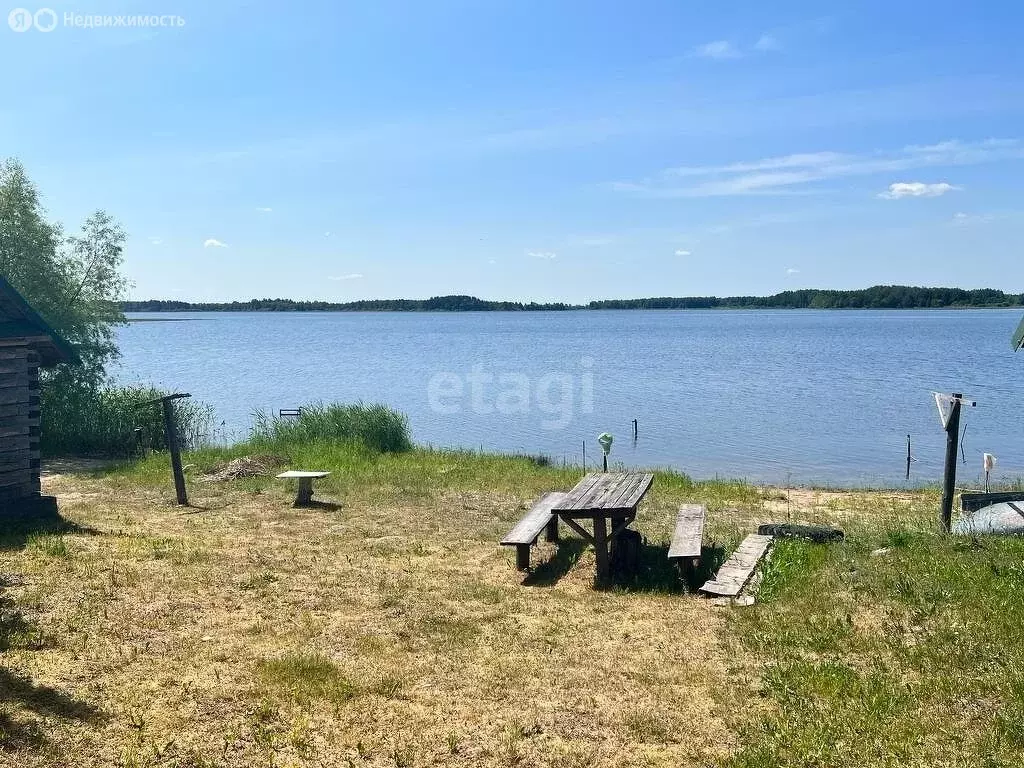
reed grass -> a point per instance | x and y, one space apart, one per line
374 426
110 421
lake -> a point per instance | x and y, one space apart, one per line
801 396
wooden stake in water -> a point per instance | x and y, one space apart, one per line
909 459
634 429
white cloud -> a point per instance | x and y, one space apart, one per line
214 243
156 241
264 210
791 174
492 261
718 49
725 49
681 252
901 189
792 271
542 254
327 234
961 219
352 276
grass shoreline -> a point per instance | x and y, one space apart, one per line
395 631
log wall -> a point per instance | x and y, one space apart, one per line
19 424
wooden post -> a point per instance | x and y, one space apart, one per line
551 530
171 434
601 550
634 429
584 455
908 457
304 497
949 477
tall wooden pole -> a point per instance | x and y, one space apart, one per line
949 477
171 433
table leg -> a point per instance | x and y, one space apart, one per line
601 549
552 530
305 494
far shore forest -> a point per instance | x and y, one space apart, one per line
877 297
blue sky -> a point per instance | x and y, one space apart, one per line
532 150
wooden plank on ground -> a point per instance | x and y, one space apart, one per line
689 532
737 570
529 528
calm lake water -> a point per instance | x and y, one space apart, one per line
810 397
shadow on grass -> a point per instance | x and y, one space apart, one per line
323 506
19 695
18 532
550 571
648 569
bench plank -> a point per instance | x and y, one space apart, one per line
689 533
528 529
737 570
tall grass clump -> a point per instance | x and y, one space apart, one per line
375 426
102 421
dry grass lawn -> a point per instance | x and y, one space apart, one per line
392 631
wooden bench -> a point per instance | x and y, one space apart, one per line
527 530
737 570
304 496
689 534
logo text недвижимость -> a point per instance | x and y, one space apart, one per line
47 20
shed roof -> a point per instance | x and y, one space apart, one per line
19 321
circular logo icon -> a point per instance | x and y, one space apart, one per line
20 20
45 20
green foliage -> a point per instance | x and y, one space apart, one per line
790 560
376 426
76 286
896 647
102 421
876 297
73 282
305 678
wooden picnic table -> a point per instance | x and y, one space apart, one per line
609 500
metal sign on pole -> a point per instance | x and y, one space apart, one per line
605 440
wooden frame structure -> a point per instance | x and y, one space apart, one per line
27 343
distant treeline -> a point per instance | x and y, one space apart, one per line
878 297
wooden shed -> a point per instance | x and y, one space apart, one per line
27 344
